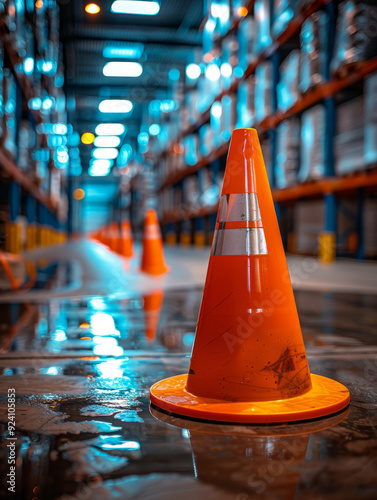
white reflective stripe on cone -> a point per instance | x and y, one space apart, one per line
240 241
239 207
152 232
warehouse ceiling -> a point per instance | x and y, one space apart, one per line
168 40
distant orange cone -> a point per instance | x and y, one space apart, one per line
152 309
153 258
248 362
125 242
113 236
104 237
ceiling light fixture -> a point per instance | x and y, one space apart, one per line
101 164
92 8
98 173
123 69
123 50
107 141
115 106
110 129
144 8
87 138
105 153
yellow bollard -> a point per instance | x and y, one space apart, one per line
327 247
31 237
171 238
200 239
13 237
185 239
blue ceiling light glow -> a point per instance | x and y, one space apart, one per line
28 65
154 129
154 106
125 155
168 105
110 129
193 71
226 70
123 50
174 75
143 138
143 8
46 67
48 103
115 106
216 110
212 72
123 69
238 72
59 128
35 103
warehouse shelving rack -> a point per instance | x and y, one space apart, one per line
45 224
176 222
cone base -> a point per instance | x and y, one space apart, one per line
325 398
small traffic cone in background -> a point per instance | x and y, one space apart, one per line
153 258
152 309
113 236
103 236
248 362
125 242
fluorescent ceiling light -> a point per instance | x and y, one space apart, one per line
123 69
101 164
142 8
95 173
110 129
107 141
115 106
123 50
105 153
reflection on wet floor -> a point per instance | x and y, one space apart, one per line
82 370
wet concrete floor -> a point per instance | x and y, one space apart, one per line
81 371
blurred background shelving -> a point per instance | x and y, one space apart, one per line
298 72
302 72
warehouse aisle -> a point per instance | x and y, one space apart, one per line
94 269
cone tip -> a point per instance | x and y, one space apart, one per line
151 216
244 157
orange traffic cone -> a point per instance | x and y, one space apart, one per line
153 258
113 236
125 242
248 362
152 309
104 238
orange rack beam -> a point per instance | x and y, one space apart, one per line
307 190
292 27
314 96
24 180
